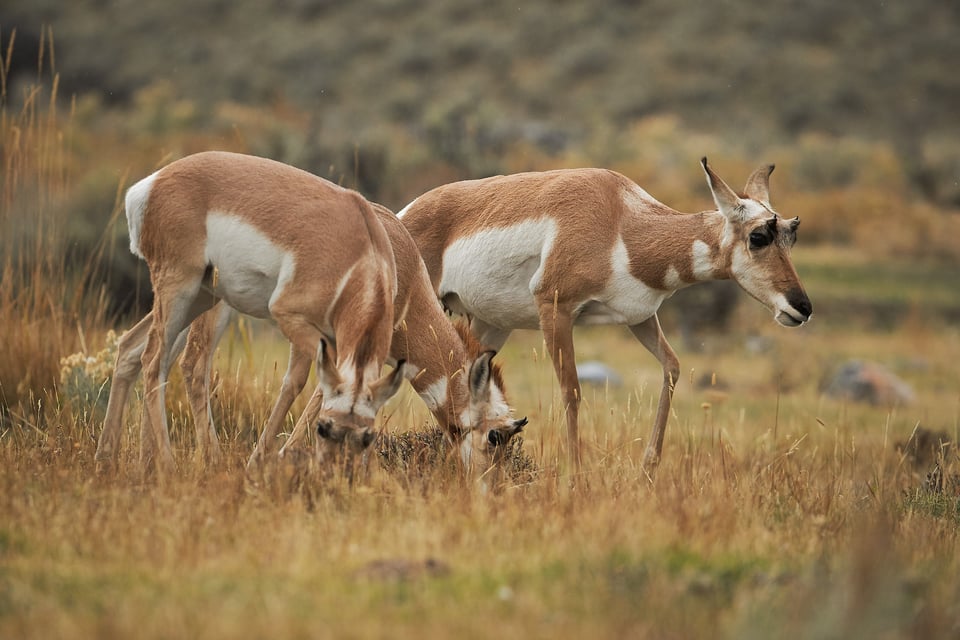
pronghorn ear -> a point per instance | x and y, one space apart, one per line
727 201
385 388
480 377
327 372
758 184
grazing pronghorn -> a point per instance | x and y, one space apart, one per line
273 242
589 246
457 381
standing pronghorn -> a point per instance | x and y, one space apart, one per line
589 246
277 242
459 383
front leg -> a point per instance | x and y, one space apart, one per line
489 336
307 418
651 336
298 370
556 322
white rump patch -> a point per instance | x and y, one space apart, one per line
135 203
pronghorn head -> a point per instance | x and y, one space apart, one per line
486 426
345 422
757 242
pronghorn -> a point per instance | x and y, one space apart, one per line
459 383
273 242
589 246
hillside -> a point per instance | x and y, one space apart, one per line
554 74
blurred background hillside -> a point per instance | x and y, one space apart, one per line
855 101
467 80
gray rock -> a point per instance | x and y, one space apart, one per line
596 372
868 382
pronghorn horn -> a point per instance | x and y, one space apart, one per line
727 201
758 184
794 223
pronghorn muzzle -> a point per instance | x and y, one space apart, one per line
800 309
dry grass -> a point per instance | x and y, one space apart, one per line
787 516
776 512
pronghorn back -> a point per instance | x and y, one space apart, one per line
272 241
554 249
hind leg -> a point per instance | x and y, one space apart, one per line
204 334
177 302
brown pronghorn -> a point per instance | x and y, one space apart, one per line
273 242
457 381
589 246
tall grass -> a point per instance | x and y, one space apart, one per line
48 306
818 531
776 512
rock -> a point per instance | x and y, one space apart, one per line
868 382
595 372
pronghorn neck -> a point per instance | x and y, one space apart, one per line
673 250
442 354
441 357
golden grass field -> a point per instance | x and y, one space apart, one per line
776 512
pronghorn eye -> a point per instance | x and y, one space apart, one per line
760 238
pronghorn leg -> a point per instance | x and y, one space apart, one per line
489 336
129 352
125 372
307 418
204 334
148 446
557 325
298 370
304 339
176 305
651 336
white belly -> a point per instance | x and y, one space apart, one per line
492 275
250 269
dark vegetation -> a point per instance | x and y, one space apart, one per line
468 80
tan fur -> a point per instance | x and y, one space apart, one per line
422 335
593 210
312 220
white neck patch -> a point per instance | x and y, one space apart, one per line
702 263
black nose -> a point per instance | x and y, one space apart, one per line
799 301
368 438
324 428
495 438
